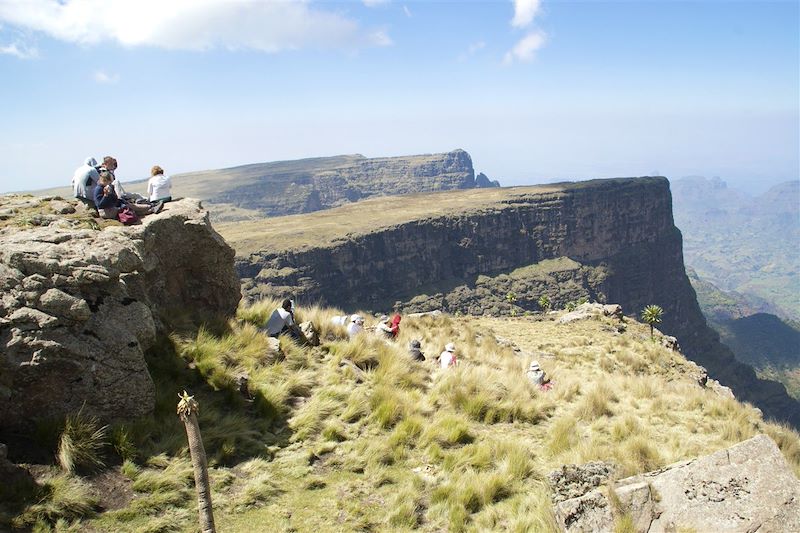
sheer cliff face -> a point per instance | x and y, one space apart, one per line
620 230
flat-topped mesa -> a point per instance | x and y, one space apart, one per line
608 240
80 305
306 185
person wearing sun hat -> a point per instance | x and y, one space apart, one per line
448 357
536 374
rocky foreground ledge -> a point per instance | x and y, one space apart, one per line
84 298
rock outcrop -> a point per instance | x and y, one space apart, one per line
80 305
748 487
605 240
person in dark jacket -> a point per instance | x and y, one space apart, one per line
414 350
109 204
106 199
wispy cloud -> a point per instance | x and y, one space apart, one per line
105 78
20 51
476 46
373 3
524 12
407 11
192 24
525 49
472 49
381 38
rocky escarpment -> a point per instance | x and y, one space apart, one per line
83 299
610 240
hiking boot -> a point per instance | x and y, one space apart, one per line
158 207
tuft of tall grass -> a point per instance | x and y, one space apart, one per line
448 430
597 402
81 444
563 436
60 497
490 396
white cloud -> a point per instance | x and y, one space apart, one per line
526 48
407 11
475 47
373 3
380 38
19 50
524 11
191 24
103 77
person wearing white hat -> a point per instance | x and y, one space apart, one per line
448 356
536 374
356 326
382 327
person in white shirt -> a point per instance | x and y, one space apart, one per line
448 356
160 185
356 326
282 321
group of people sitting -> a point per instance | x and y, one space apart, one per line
282 322
389 329
386 328
96 186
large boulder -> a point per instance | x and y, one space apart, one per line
80 306
748 487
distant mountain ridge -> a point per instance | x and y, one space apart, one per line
740 243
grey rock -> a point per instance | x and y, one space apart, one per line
748 487
80 307
310 332
572 481
583 312
60 303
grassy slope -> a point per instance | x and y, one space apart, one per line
410 446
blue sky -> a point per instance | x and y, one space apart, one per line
535 91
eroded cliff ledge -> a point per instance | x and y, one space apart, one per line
82 300
610 240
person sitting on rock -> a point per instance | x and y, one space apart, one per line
84 181
415 351
537 375
110 166
159 186
448 357
282 321
356 326
109 204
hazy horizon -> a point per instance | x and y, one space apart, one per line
534 91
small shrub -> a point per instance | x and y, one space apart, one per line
123 444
